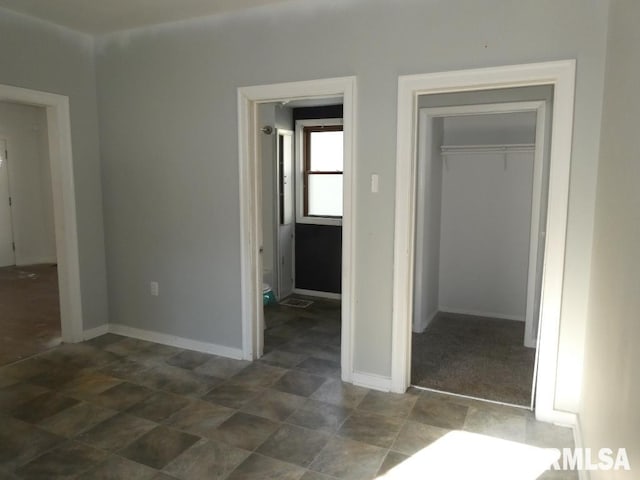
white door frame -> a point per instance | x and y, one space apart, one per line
426 116
250 210
64 203
559 74
4 148
425 125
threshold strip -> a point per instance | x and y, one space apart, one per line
495 402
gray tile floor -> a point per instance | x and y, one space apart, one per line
120 408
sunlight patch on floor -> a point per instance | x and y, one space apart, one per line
460 454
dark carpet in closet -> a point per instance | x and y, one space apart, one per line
475 356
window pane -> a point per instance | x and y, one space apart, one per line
325 195
326 151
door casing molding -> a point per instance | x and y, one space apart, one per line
559 74
250 210
64 203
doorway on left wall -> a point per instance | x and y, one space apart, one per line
301 232
29 293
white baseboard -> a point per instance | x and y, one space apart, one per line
95 332
471 397
426 323
557 417
578 440
315 293
372 381
476 313
174 341
24 262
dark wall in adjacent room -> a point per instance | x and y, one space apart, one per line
319 257
318 248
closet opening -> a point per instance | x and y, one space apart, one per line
481 208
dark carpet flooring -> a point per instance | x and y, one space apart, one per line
474 356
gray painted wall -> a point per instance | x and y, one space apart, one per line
484 243
495 129
486 216
168 123
40 56
426 286
609 415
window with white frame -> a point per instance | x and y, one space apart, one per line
320 171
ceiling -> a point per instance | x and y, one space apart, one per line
103 16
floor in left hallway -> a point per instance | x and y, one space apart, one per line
29 311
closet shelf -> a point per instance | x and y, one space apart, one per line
459 149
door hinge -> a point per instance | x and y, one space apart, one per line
13 246
6 154
10 201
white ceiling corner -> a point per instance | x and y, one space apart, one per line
104 16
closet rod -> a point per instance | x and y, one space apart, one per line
507 148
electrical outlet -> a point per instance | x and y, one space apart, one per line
154 288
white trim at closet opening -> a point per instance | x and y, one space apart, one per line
427 115
526 161
561 76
